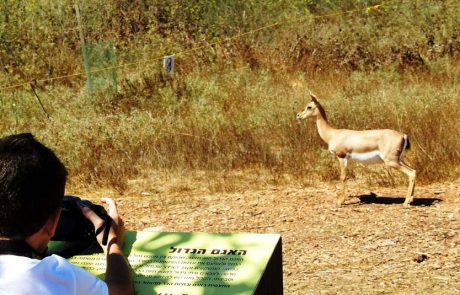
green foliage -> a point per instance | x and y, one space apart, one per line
39 39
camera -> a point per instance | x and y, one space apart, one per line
75 233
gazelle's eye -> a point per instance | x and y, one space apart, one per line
309 108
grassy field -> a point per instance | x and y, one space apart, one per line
240 120
232 105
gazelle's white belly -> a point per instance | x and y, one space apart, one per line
368 158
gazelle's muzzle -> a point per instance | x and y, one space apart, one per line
300 116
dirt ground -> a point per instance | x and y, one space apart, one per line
369 246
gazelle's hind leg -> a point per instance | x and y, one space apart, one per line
411 174
343 177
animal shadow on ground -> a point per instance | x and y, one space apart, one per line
374 199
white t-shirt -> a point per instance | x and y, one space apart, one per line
52 275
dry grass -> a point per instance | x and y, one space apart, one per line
241 119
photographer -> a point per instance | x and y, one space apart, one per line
32 184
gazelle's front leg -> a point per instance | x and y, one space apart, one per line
343 177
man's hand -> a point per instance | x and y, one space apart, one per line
118 273
116 234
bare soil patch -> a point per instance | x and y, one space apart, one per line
370 245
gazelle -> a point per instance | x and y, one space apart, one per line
366 146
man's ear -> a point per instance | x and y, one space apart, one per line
52 223
40 239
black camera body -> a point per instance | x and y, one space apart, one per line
74 230
73 226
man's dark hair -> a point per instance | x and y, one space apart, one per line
32 184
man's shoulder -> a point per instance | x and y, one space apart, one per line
87 282
58 264
56 259
51 275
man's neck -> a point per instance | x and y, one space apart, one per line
20 248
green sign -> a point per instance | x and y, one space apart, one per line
198 263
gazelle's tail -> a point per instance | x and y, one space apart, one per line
406 142
406 146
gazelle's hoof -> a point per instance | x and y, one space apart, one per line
406 205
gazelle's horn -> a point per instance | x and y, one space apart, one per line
313 97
